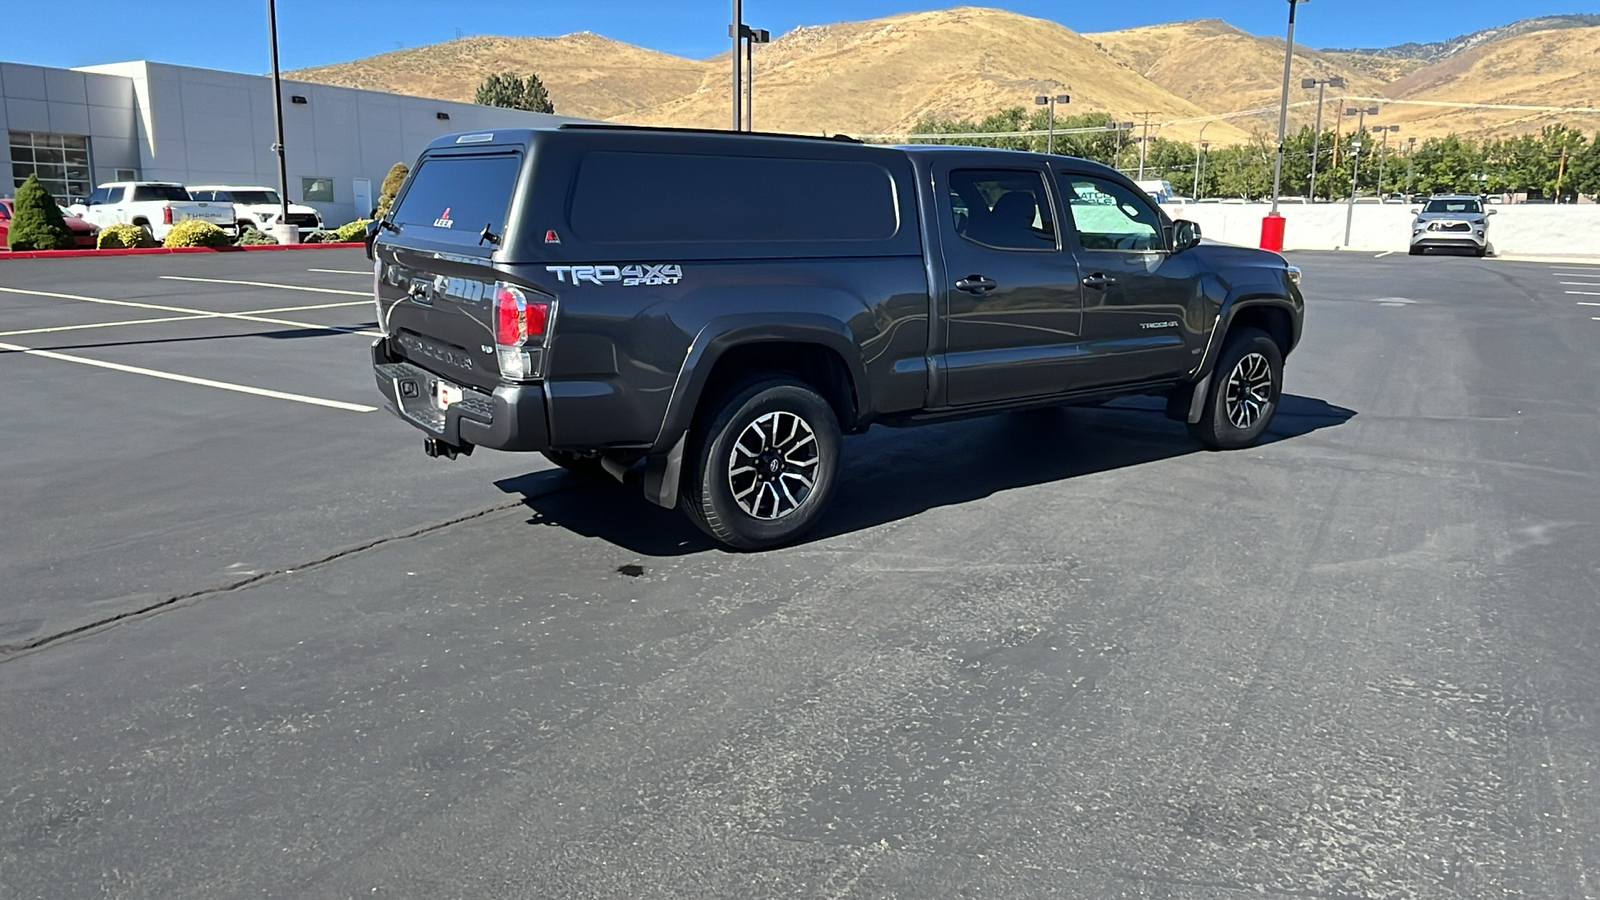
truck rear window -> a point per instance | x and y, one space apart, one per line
173 192
673 198
452 198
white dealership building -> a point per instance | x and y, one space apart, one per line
77 128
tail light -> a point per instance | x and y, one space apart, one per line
166 215
518 321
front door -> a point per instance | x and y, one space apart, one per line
1136 292
1011 305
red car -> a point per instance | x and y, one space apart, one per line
84 234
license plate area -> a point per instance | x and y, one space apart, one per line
445 393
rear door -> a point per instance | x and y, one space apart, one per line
1136 292
436 290
1010 302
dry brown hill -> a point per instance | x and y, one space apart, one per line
1223 69
587 75
881 76
1545 68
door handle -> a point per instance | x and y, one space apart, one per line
976 284
1099 281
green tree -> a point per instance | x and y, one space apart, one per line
508 90
1583 169
390 188
36 222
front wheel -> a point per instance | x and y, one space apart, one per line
764 465
1244 392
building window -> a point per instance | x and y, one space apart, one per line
127 175
316 190
61 161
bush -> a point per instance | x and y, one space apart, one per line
124 237
352 232
254 238
320 236
197 233
36 222
390 188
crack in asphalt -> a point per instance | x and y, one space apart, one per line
9 652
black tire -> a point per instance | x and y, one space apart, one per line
799 440
1416 251
576 463
1481 252
1244 392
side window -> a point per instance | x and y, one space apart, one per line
1007 209
202 195
99 196
1109 216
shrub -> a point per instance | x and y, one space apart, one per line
254 238
392 183
124 237
320 236
36 222
197 233
352 232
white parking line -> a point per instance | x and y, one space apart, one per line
1383 254
186 379
199 313
102 325
1582 283
1585 293
268 284
1587 303
1594 274
343 271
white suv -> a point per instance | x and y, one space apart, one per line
258 207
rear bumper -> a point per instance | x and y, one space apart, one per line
512 418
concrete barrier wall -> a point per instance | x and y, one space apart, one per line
1533 229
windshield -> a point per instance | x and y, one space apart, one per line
1453 206
254 198
167 192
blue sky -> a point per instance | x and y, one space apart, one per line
231 34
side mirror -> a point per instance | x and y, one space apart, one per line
1490 212
1416 212
373 227
1185 234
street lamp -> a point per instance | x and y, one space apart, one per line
1355 164
1321 84
752 37
1121 128
1272 225
284 228
1411 163
736 31
1383 154
1200 166
1200 144
1051 101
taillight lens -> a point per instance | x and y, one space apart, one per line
516 318
166 215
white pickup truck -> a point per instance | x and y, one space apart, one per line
153 205
258 207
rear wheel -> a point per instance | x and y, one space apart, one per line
1244 392
764 464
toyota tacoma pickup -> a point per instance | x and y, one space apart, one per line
155 206
707 312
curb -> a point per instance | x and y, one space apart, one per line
148 251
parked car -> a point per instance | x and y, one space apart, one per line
84 233
550 290
1456 221
258 207
154 206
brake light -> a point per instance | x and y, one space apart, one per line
166 215
517 319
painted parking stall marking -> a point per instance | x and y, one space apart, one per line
201 313
269 284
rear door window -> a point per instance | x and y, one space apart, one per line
452 198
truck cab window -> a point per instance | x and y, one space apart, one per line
1108 216
1004 209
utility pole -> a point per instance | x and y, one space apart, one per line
1561 174
1144 141
736 32
1321 84
1411 164
284 227
1355 165
1199 145
1383 154
1051 101
1338 126
752 37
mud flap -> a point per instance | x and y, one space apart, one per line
661 472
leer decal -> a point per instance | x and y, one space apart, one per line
444 220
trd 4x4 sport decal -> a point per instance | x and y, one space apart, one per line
630 276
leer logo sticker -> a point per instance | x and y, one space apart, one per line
630 276
444 220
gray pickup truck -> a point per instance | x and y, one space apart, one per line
708 312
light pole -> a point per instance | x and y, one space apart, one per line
1355 165
1121 128
1321 84
1411 164
752 37
1383 154
1199 145
736 31
1205 154
1272 225
284 228
1051 101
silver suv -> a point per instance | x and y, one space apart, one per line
1451 220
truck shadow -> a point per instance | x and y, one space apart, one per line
891 474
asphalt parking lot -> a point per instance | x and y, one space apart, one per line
253 642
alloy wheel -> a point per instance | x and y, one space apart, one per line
1249 391
772 466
